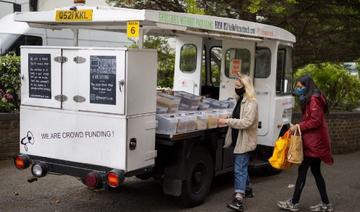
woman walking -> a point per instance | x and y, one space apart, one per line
316 143
242 135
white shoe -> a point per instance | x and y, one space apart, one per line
322 207
288 205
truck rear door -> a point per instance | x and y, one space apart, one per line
95 91
43 77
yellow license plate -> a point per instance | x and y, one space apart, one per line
73 15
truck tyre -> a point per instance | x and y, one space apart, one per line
198 178
260 165
271 170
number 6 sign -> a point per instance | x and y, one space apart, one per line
133 29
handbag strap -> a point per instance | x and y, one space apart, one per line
298 129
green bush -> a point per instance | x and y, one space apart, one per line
9 83
166 60
341 89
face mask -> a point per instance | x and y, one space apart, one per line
299 91
240 91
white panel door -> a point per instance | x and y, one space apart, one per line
188 64
246 61
94 80
40 77
265 83
82 137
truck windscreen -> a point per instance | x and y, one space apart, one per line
12 42
6 41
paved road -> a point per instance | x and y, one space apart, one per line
63 193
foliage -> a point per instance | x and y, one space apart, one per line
341 89
166 60
193 7
326 30
9 82
358 66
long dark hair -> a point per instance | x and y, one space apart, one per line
311 90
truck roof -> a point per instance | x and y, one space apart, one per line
155 22
16 27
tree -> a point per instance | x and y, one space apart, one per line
166 59
341 89
326 30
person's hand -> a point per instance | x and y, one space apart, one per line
293 127
222 121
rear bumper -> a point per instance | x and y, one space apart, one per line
56 166
74 169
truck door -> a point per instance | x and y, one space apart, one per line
41 77
188 64
94 81
237 56
264 84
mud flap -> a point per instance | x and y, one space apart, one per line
172 187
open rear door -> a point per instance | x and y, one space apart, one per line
188 64
237 56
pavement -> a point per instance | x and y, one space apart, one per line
64 193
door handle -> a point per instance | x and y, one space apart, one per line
79 99
61 98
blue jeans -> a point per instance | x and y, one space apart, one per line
241 175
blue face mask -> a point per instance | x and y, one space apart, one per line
299 91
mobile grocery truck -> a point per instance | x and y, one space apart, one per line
92 112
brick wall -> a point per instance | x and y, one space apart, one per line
9 135
344 130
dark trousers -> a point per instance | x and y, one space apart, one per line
314 163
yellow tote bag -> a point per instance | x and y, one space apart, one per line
295 154
279 158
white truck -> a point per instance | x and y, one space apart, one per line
91 112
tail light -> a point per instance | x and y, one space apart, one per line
22 162
93 180
39 169
115 178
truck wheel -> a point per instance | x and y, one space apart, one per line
260 165
269 170
198 178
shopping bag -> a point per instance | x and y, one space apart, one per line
295 154
278 159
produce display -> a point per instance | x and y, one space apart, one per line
184 112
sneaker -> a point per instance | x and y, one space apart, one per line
322 207
249 193
288 205
236 205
